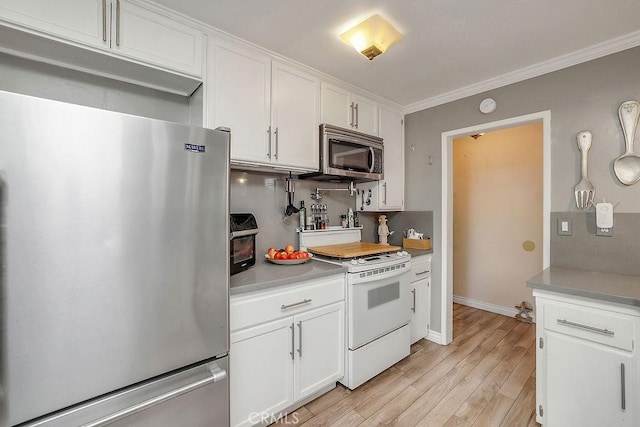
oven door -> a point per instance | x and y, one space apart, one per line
242 253
377 307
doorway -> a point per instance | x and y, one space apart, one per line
447 203
497 223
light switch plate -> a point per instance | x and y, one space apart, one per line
564 227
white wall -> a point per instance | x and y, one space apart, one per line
497 206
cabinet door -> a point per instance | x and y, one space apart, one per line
145 35
319 349
391 188
295 118
583 382
82 21
238 97
336 106
366 115
419 309
261 371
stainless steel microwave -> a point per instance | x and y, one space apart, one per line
346 155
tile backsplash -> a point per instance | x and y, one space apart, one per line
264 195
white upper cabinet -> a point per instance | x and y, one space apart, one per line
144 35
82 21
295 117
270 107
339 107
239 97
336 106
388 193
366 115
119 27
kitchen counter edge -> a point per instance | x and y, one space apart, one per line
611 287
265 275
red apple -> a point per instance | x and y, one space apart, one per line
271 252
289 249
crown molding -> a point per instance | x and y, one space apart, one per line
599 50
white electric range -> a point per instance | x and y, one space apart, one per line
378 305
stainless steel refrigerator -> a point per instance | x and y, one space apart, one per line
114 268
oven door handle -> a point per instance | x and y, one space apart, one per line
242 233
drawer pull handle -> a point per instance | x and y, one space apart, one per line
565 322
422 272
623 387
295 304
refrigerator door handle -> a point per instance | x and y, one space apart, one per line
217 375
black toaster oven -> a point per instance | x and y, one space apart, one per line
242 248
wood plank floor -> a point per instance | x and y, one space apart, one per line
485 377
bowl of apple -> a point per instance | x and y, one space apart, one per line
287 256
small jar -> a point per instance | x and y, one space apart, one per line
343 219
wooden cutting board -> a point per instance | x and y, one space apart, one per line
354 249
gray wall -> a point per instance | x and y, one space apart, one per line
48 81
586 96
619 253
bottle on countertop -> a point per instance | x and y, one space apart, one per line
356 221
343 219
302 215
350 218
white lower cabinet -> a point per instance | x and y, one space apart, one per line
587 362
420 297
261 376
278 362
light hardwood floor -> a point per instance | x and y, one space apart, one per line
485 377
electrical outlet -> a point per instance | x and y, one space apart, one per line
564 227
607 232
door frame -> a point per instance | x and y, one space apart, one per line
446 321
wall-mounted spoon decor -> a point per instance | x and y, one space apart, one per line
627 166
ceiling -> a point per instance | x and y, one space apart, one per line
450 49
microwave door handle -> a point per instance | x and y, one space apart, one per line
372 159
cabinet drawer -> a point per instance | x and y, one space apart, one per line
420 268
605 327
259 307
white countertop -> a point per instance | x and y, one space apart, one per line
618 288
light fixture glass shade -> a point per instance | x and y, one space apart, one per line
372 36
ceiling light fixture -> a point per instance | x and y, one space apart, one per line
372 36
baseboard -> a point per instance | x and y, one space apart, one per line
435 337
493 308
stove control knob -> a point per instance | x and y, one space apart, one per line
360 261
354 261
